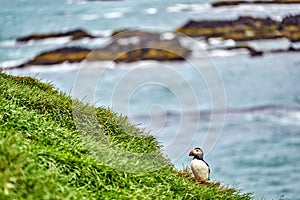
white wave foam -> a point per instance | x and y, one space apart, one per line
194 8
284 118
127 41
274 11
221 42
270 44
98 64
113 15
151 11
206 11
138 64
291 118
200 48
167 36
10 63
63 67
93 42
7 43
196 44
104 33
89 17
57 40
225 53
296 45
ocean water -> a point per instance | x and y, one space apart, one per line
243 111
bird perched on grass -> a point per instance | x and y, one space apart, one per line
199 167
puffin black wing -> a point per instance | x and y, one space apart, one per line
208 169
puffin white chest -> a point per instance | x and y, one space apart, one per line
200 169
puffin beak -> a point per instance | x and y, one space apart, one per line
191 153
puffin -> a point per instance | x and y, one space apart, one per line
199 167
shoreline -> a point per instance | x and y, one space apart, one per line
252 2
130 45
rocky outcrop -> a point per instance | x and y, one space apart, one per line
66 54
136 45
234 3
254 53
245 28
74 35
125 46
290 28
290 49
291 20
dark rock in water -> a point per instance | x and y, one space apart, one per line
234 3
241 29
149 54
252 52
244 28
238 23
291 20
67 54
290 49
125 46
290 28
74 35
133 45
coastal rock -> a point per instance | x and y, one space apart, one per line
234 3
244 28
74 35
125 46
291 20
252 52
290 49
291 28
134 45
66 54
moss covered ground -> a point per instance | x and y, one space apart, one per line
43 155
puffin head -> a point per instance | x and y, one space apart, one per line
197 153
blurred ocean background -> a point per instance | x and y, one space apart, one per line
258 148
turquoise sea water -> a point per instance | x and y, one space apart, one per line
259 142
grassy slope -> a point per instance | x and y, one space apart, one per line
43 157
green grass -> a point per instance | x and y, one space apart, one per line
45 155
